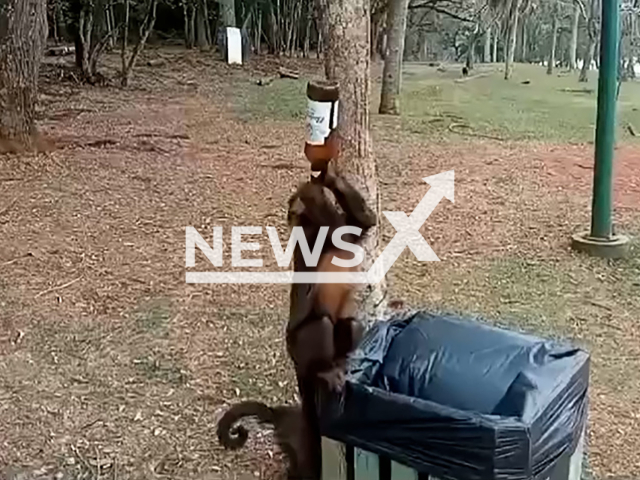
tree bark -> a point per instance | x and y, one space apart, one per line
203 42
228 13
573 47
144 31
511 38
207 24
592 31
471 50
350 46
524 47
494 53
392 72
23 33
185 13
554 36
192 24
324 32
487 45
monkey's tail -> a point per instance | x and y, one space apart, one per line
234 437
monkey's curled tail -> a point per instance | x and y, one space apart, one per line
234 437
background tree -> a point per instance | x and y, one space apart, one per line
23 33
555 12
349 22
592 35
143 34
392 73
573 49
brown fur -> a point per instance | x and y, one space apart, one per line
322 329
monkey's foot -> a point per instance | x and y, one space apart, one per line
335 379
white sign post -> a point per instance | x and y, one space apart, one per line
234 45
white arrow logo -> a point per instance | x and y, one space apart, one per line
407 235
408 228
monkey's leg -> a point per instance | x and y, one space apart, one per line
311 347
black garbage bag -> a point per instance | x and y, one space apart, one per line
461 400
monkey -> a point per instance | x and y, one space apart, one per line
324 311
288 427
322 329
465 71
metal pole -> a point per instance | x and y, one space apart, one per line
601 241
601 211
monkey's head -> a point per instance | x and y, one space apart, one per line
307 205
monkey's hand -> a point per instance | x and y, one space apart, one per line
335 378
330 177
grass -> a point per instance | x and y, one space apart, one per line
432 100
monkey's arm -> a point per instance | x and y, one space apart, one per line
350 200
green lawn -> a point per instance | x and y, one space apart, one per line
432 101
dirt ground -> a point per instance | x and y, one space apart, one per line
111 366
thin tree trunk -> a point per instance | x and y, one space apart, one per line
324 31
56 8
203 43
524 52
228 13
125 35
494 54
592 31
145 30
192 24
392 72
86 34
471 51
511 39
60 22
487 45
258 33
207 24
306 44
573 47
185 14
23 34
554 36
350 45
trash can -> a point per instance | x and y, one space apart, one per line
432 396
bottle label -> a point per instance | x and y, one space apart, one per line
322 117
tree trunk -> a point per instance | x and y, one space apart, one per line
471 51
86 34
228 13
511 39
185 13
592 31
487 45
259 34
392 72
554 37
573 47
494 54
125 35
192 25
524 47
306 44
324 31
207 24
350 45
203 43
144 31
23 34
